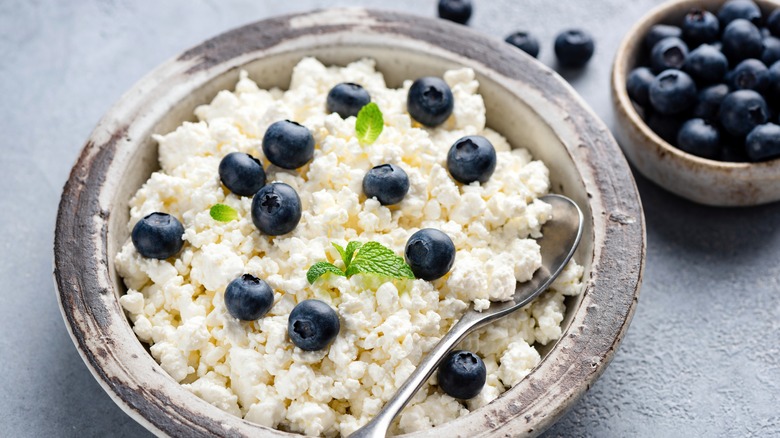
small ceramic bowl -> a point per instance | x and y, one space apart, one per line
525 101
699 179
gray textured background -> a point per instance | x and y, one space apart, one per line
702 357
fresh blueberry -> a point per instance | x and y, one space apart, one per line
736 9
699 137
763 142
574 48
668 53
288 144
430 101
471 158
771 53
700 27
773 23
672 92
750 74
525 42
666 127
158 236
638 85
708 102
276 209
241 173
462 374
346 99
773 80
458 11
659 32
706 64
743 110
387 183
248 298
430 253
742 40
313 325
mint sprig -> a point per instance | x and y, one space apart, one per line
369 124
223 213
358 258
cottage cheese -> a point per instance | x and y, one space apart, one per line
251 369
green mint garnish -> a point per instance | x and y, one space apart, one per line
223 213
371 258
369 123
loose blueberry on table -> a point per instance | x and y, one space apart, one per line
241 173
387 183
472 158
458 11
462 374
430 101
276 209
430 253
525 42
288 144
313 325
158 236
346 99
248 298
574 48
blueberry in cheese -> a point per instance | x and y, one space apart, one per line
158 236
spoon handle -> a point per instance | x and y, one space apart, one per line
378 427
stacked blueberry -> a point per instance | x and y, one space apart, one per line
711 86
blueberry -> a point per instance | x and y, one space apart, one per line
668 53
458 11
430 101
276 209
313 325
743 110
288 144
763 142
471 158
699 137
742 40
706 64
708 101
750 74
430 253
700 26
574 48
248 298
659 32
387 183
672 92
773 23
666 127
525 42
462 374
158 236
346 99
773 81
736 9
638 85
771 53
241 173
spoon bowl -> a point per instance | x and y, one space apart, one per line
560 237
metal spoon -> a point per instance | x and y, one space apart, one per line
561 235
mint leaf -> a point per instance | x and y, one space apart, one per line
341 251
223 213
320 268
369 123
373 258
351 248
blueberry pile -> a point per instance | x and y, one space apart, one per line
711 86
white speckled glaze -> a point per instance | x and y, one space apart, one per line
525 101
699 179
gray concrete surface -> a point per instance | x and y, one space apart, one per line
702 357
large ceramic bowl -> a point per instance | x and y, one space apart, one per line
699 179
525 101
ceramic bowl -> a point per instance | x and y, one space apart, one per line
525 101
699 179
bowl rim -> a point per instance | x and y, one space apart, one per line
96 322
625 60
